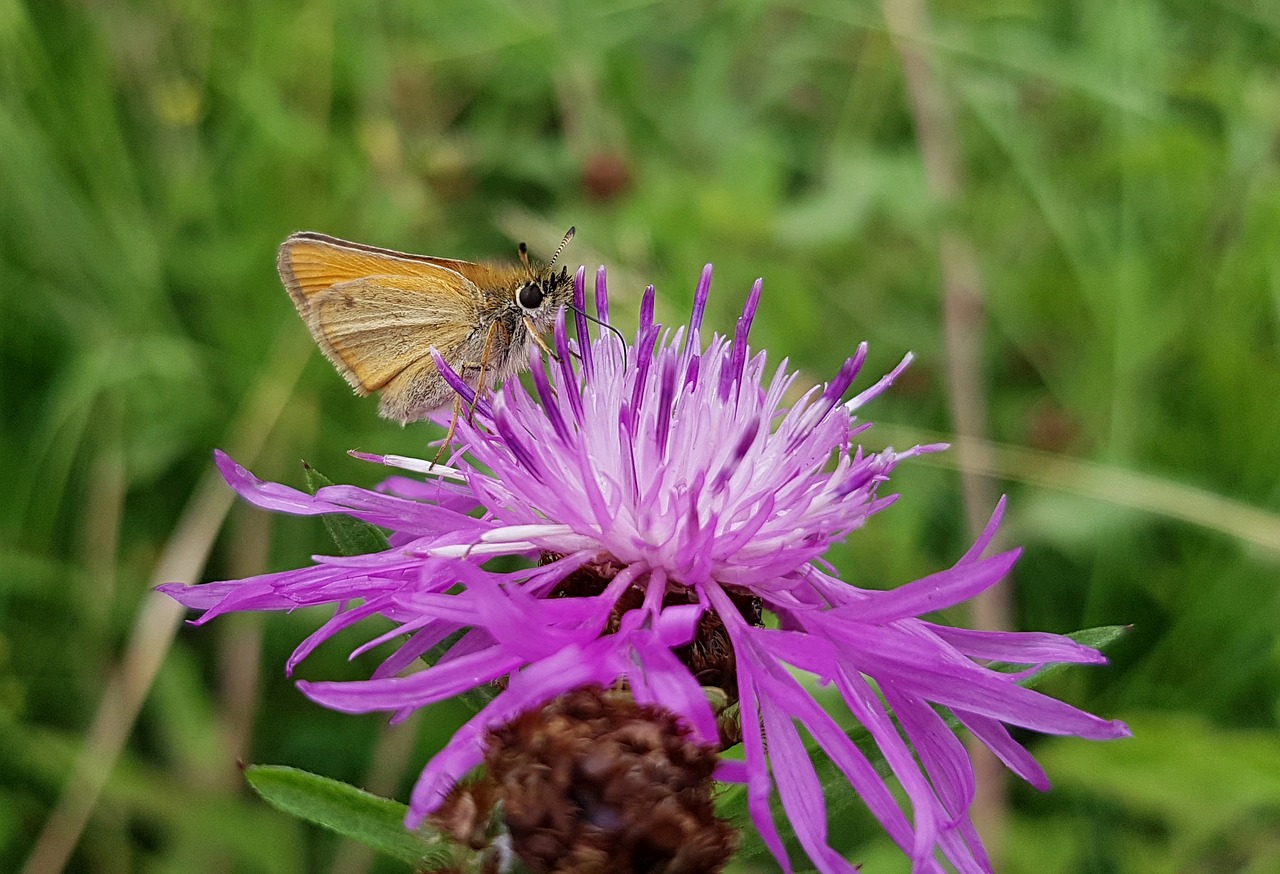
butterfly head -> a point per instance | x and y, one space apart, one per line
541 295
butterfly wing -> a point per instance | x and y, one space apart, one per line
310 263
375 314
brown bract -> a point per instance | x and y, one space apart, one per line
596 783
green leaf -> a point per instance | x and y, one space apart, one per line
353 813
351 536
1099 638
1102 636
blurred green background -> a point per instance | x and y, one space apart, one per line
1117 184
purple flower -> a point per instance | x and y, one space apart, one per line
679 483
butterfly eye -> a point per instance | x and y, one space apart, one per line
529 296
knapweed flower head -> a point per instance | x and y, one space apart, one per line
673 511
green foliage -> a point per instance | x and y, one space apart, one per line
1120 192
375 822
350 536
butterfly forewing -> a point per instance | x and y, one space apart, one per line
376 314
312 263
377 326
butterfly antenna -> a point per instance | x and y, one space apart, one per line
567 237
524 256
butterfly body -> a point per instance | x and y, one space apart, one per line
377 313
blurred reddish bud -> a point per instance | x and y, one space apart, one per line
605 175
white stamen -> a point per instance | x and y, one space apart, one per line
418 465
512 533
462 550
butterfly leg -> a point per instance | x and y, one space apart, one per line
453 426
537 338
464 368
483 366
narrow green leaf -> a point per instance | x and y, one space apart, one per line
353 813
351 536
1099 638
1102 636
